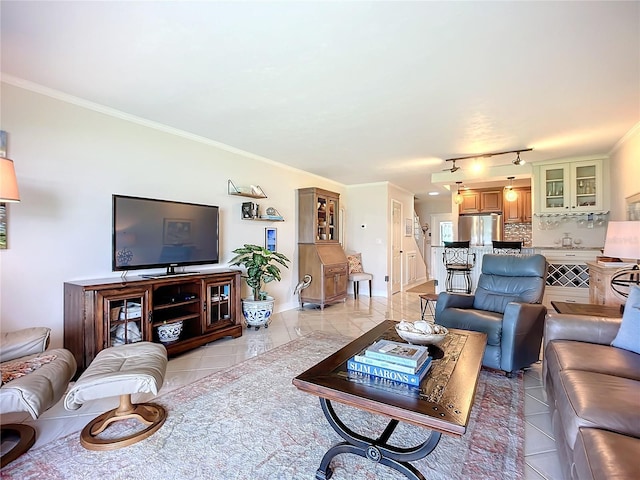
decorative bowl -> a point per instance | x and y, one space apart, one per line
417 333
169 332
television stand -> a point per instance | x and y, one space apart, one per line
169 274
198 308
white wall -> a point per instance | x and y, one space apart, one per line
69 160
367 205
625 172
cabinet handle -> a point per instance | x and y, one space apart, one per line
150 316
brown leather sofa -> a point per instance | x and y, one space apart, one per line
593 391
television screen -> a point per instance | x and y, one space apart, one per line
149 233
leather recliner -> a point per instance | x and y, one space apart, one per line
33 380
506 306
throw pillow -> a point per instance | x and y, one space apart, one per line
628 336
355 263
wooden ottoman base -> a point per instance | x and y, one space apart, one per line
149 414
26 437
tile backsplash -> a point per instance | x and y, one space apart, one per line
517 232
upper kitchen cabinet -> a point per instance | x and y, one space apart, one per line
519 210
570 187
481 201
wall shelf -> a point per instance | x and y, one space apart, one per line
254 191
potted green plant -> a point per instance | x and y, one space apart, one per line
262 267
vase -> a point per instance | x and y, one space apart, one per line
257 313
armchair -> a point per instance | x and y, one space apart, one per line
506 306
33 380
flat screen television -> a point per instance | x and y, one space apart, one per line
151 233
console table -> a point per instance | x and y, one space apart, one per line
587 309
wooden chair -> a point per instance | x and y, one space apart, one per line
357 273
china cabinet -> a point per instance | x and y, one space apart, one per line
574 187
319 251
109 312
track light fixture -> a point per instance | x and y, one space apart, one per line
510 194
518 161
458 198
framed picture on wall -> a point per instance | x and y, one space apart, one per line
633 207
271 239
408 227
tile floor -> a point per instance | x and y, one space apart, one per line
351 318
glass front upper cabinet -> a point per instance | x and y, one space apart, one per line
572 187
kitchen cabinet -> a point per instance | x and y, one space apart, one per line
481 201
568 275
518 211
571 187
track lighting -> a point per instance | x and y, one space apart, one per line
458 198
510 194
517 161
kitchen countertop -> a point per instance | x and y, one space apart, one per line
555 247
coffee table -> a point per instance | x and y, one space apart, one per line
441 404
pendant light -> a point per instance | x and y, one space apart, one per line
510 195
458 198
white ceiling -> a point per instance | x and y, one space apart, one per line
357 92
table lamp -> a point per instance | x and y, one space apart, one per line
623 241
8 182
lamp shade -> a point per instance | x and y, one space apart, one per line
8 182
623 240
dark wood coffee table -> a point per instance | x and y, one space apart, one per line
587 309
441 404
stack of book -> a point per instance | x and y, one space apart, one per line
391 360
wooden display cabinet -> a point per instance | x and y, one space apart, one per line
319 251
105 313
318 214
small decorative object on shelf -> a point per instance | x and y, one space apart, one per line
169 332
272 214
253 191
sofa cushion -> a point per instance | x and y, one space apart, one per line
599 454
628 336
476 320
588 399
569 355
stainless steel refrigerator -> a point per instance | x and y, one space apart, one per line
480 230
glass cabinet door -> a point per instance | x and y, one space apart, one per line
555 184
124 318
327 219
218 309
587 186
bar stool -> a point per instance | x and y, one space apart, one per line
428 302
458 262
507 248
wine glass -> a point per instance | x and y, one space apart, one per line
577 242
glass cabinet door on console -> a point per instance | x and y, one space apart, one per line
124 317
219 306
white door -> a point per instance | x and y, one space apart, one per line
396 246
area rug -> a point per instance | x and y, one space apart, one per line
250 422
426 287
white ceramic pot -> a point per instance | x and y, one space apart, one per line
169 332
257 312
